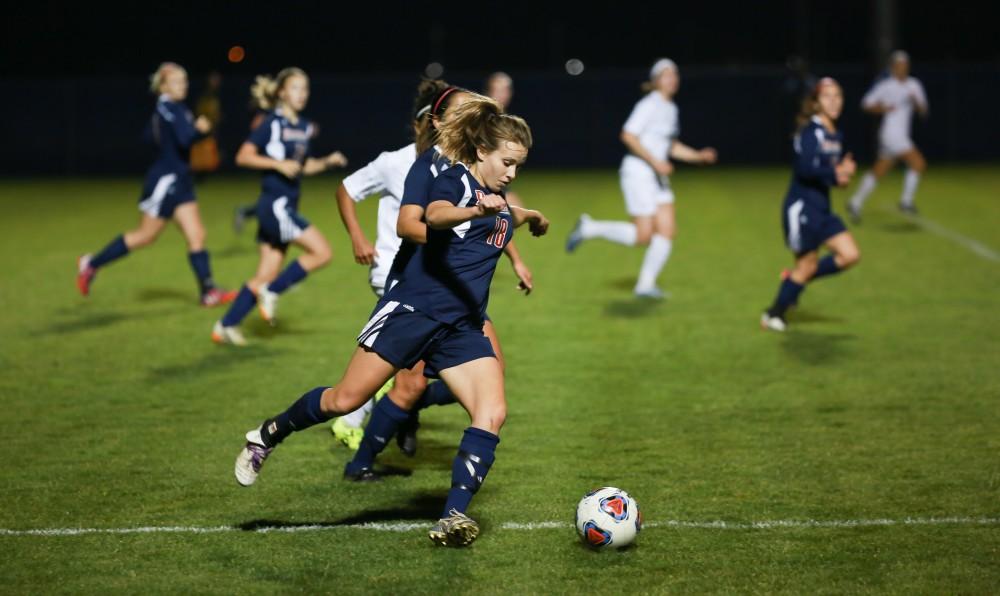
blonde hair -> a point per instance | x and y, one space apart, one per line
264 92
480 123
156 79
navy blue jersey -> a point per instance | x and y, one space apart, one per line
416 191
449 278
172 131
817 152
277 138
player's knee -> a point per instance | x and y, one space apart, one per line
342 399
806 269
850 257
408 390
196 239
642 237
139 239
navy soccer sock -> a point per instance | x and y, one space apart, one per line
386 418
476 453
240 307
827 266
436 394
305 412
292 275
115 249
788 294
202 270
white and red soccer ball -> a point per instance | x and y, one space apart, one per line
608 518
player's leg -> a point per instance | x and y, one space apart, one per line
868 183
844 255
916 165
226 330
789 290
638 192
317 254
188 218
658 252
365 373
146 233
241 213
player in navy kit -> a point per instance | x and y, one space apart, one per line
168 192
435 311
806 216
279 147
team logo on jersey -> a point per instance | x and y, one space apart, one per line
294 135
615 506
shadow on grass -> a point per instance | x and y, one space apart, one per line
167 295
219 358
623 283
806 316
632 309
900 227
234 250
85 321
816 348
425 506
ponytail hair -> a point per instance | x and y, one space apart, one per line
428 91
480 123
264 92
810 103
156 79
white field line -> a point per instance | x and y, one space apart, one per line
971 244
776 524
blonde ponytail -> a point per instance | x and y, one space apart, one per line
156 79
264 92
480 123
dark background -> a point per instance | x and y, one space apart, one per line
74 77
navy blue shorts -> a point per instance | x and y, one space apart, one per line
163 191
807 226
278 222
404 336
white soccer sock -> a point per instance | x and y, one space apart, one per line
357 418
910 182
621 232
654 261
868 184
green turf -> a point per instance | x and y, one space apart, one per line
881 402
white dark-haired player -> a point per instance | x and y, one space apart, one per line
650 134
894 98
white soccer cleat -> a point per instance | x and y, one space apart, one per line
651 293
227 335
773 323
575 237
267 304
251 459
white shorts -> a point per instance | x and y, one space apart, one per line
644 191
893 147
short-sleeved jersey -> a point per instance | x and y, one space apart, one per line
654 121
448 279
817 153
902 97
278 138
416 191
384 176
172 130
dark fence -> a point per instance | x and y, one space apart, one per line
94 125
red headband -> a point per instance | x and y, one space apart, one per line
444 94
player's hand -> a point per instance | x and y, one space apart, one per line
708 155
490 205
202 124
845 169
364 251
663 168
523 274
336 160
289 168
538 225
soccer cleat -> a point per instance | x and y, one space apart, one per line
458 529
651 293
84 274
908 208
772 322
251 459
217 297
267 304
575 237
349 435
362 475
406 435
227 335
239 219
854 214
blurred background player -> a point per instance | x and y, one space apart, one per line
808 221
205 152
650 134
895 98
279 147
500 87
168 192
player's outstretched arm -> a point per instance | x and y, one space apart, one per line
537 222
679 150
442 214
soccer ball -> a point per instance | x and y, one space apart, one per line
608 517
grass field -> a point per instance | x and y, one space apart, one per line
881 403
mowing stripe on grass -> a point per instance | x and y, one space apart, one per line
776 524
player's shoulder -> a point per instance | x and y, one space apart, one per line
406 155
455 172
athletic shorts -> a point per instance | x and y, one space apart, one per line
163 191
643 189
278 222
807 226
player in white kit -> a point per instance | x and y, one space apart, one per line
650 134
895 99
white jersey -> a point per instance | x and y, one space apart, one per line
654 121
385 176
902 97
